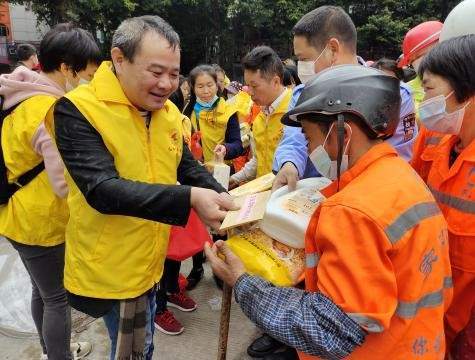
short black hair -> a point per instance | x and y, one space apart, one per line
266 60
453 60
291 76
324 23
25 51
130 33
68 44
389 65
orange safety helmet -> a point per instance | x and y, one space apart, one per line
418 38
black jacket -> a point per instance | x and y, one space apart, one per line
92 168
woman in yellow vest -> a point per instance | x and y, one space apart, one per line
216 128
35 217
215 121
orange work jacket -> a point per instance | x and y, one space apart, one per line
378 248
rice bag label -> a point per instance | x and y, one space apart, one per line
303 203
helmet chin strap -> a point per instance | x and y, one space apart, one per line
340 128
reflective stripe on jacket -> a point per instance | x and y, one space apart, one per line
378 248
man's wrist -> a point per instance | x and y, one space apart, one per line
289 162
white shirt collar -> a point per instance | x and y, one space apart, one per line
269 110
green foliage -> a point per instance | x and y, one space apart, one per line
222 31
381 34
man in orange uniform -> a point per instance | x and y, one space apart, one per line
377 246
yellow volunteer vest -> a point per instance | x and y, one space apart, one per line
212 125
267 133
242 102
34 215
112 256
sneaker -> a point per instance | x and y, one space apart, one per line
194 277
78 349
181 302
167 324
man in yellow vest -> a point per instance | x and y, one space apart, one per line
264 73
33 211
121 141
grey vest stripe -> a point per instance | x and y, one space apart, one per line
409 219
457 203
433 141
311 260
409 309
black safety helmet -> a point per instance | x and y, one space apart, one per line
370 94
367 93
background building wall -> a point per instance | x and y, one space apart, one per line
24 25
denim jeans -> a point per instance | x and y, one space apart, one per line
111 319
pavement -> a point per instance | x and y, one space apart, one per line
199 341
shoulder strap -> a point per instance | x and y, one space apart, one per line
7 190
31 174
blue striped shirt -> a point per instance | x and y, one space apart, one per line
308 322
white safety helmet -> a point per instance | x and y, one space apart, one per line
460 21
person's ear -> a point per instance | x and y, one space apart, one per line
64 69
118 59
335 48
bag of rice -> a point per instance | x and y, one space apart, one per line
273 248
266 257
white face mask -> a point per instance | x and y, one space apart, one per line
83 81
306 69
324 164
434 116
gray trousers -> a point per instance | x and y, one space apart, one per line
49 304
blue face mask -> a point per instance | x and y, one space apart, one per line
209 104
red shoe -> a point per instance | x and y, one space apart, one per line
167 324
181 302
